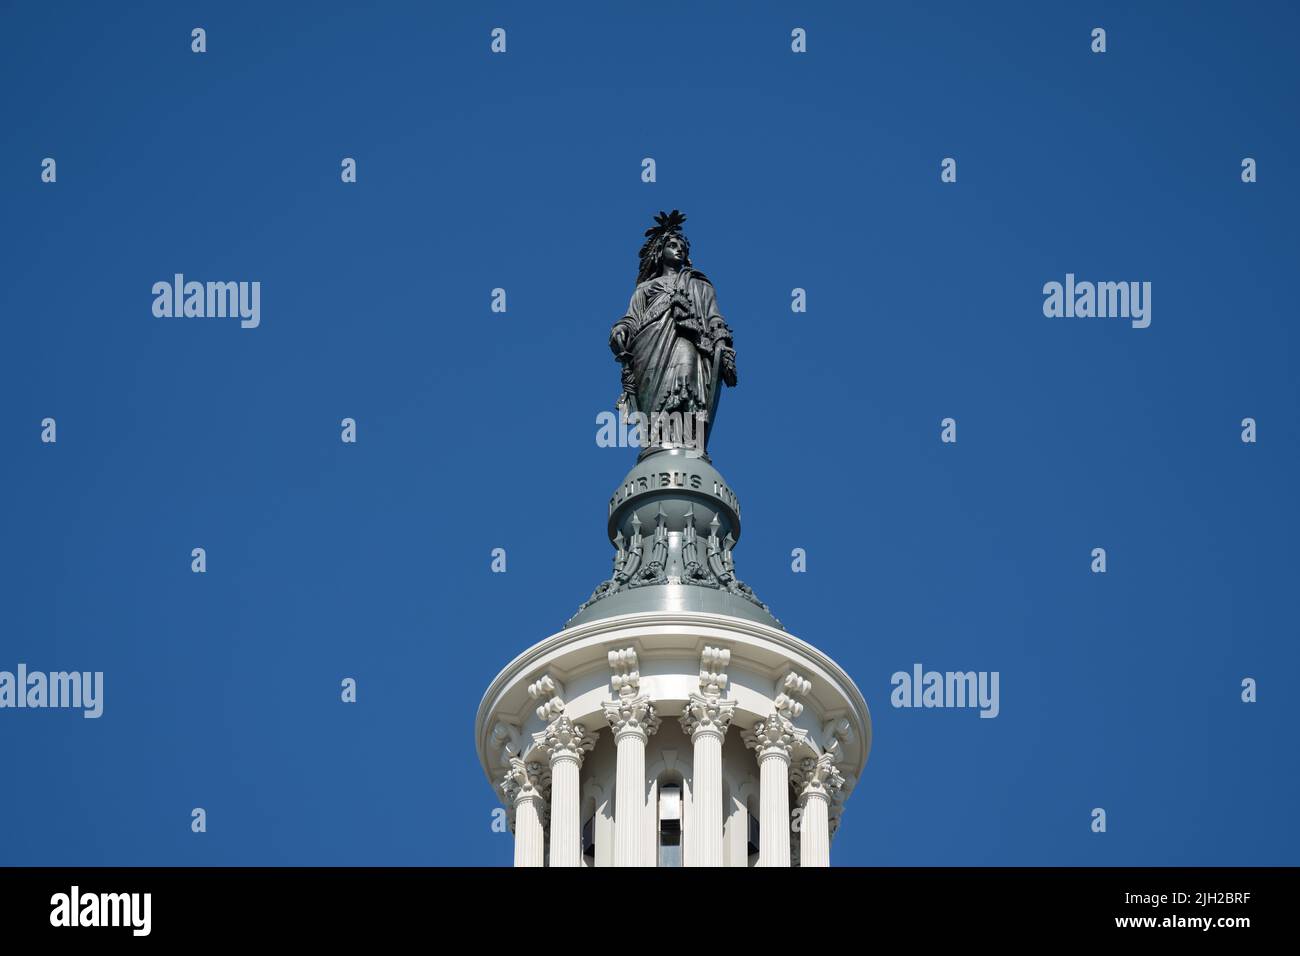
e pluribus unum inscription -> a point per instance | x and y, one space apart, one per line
665 480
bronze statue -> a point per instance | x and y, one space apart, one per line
673 344
673 521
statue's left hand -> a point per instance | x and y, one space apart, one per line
729 367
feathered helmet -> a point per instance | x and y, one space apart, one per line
666 224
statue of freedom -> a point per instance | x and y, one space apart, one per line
673 344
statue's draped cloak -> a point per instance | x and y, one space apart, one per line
673 372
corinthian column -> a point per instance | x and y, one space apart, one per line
771 740
817 780
633 720
705 720
522 787
566 742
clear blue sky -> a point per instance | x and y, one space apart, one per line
477 430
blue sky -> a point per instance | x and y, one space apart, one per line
476 430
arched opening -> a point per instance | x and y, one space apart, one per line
594 836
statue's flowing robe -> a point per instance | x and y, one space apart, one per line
674 372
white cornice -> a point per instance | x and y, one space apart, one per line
625 627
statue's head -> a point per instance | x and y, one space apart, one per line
675 250
665 245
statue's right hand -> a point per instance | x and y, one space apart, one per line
618 340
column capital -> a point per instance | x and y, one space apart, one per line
525 780
632 715
773 736
705 715
564 739
817 776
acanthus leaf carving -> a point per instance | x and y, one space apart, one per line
525 780
707 715
632 715
817 775
565 738
774 734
